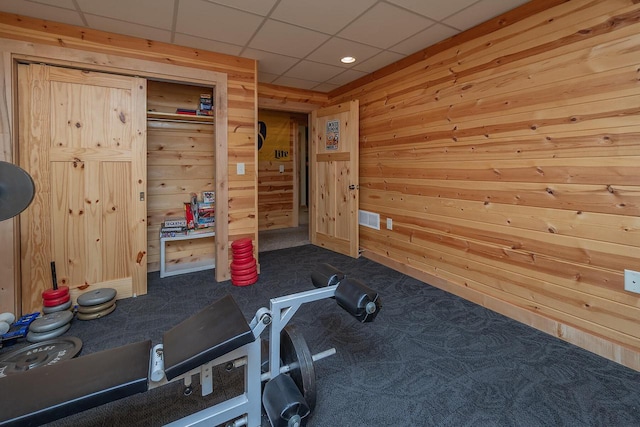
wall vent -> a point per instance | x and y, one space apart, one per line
369 219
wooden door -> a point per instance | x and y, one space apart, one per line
82 137
334 198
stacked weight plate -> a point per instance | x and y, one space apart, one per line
49 326
56 299
244 270
96 304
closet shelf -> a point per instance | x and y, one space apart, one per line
173 117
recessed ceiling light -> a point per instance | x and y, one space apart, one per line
348 60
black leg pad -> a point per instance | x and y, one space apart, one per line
326 275
282 401
358 299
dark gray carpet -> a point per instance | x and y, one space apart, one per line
429 359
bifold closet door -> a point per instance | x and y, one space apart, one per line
82 137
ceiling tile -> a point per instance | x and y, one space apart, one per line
266 77
336 48
308 70
154 13
321 15
380 60
292 82
204 44
380 26
325 87
41 11
261 7
270 62
428 37
287 39
346 77
480 12
67 4
126 28
211 21
435 10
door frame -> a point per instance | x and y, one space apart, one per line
14 51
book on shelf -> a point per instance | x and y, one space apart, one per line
163 229
209 196
173 233
186 111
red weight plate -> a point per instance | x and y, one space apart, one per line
55 293
244 282
247 272
57 301
241 243
241 252
251 262
242 277
245 259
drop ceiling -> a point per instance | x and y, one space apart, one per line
298 43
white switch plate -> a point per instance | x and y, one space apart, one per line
389 224
632 281
281 168
240 168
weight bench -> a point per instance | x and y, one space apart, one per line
217 334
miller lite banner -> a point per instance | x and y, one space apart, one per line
274 137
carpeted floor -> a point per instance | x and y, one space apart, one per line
429 359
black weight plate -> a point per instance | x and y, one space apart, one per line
295 352
16 190
51 321
98 296
40 354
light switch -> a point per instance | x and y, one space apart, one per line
240 168
281 168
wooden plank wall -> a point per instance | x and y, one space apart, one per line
107 49
180 161
509 164
277 192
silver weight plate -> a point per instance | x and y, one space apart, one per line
43 336
295 353
51 321
97 315
98 296
96 308
61 307
40 354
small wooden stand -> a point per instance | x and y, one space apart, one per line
186 267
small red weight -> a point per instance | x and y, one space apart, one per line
55 293
241 243
57 301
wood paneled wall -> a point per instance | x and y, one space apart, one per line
510 165
180 161
113 51
278 200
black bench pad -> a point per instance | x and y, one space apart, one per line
216 330
48 393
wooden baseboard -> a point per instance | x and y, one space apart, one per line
593 343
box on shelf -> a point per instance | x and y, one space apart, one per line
209 196
175 222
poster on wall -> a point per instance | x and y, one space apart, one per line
274 136
333 134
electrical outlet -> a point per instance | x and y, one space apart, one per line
240 168
389 224
632 281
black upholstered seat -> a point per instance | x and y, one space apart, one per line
51 392
216 330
